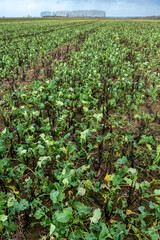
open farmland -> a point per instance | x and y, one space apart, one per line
79 129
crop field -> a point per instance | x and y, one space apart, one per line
79 129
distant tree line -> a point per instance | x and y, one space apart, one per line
80 13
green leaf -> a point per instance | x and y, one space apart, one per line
141 209
82 209
122 160
76 235
39 213
96 216
152 234
12 226
3 217
146 139
112 101
24 204
56 196
104 234
152 205
71 147
65 216
90 236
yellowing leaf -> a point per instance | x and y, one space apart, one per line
155 223
112 221
87 184
52 238
70 193
105 197
138 236
107 178
129 212
104 186
9 180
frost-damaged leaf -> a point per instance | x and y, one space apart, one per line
4 131
59 103
98 116
11 201
84 168
81 191
65 216
96 216
157 159
132 170
157 192
3 217
84 135
52 228
158 150
43 160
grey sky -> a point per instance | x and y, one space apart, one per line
121 8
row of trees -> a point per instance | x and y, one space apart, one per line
80 13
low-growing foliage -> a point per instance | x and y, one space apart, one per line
79 146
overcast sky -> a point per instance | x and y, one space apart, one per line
115 8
